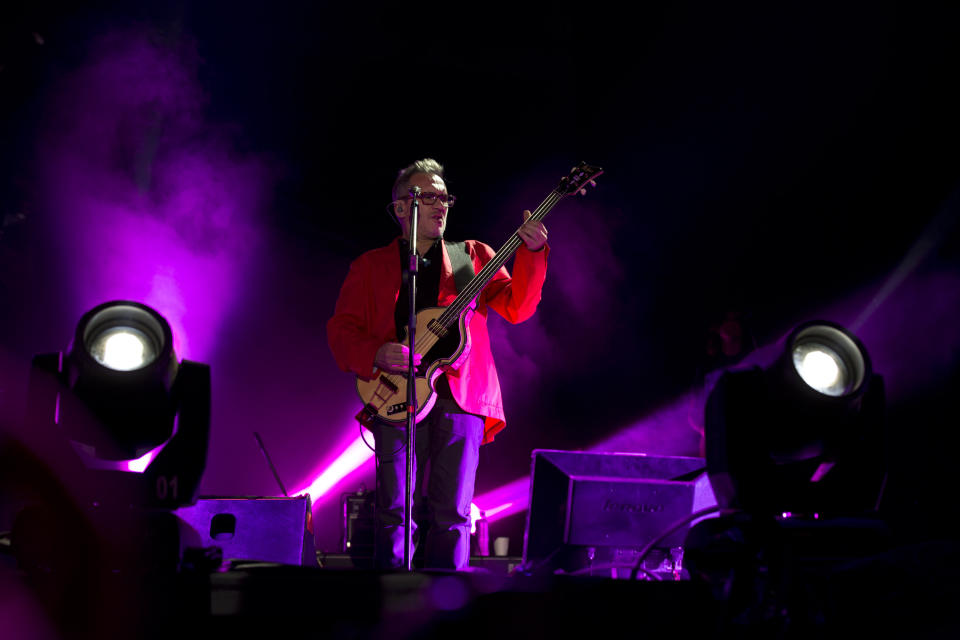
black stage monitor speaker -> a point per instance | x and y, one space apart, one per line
602 508
247 528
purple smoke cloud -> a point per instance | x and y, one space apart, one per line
583 294
147 199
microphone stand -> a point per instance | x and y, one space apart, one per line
412 268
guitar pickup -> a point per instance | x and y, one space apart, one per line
389 385
437 328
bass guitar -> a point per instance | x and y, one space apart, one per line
442 337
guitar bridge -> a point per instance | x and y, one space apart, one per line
384 391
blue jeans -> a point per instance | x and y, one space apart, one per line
445 467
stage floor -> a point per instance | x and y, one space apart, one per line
911 590
873 595
482 603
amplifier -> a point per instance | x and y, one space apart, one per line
252 528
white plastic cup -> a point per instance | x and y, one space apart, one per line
500 546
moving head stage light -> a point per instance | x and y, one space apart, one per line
796 458
803 436
116 440
134 414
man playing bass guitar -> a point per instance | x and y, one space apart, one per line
465 410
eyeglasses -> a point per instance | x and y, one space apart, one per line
430 197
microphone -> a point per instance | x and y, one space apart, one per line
414 192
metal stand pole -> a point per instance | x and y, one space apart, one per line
412 267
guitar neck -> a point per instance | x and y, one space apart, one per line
480 280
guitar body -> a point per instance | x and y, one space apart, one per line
385 396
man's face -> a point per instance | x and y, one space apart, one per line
432 218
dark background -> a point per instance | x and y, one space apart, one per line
780 161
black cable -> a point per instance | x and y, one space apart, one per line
601 567
645 551
532 569
373 448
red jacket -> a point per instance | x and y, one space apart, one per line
364 319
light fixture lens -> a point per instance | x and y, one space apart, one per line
821 368
829 359
122 349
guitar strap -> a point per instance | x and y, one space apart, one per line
461 263
463 273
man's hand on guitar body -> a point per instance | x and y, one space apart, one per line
394 357
532 232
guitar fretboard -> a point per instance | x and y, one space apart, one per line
452 314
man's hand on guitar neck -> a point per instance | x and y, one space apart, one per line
394 357
532 232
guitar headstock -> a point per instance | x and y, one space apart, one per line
578 179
